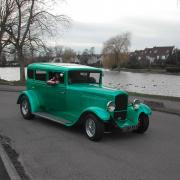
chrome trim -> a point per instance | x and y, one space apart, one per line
109 104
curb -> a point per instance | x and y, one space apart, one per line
8 165
11 89
159 106
165 110
7 90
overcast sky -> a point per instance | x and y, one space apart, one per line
150 22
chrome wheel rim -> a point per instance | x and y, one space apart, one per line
90 127
24 107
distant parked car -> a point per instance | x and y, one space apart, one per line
71 94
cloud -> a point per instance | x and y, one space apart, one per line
145 33
148 33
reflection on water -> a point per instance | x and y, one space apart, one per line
159 84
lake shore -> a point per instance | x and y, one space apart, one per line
11 83
159 97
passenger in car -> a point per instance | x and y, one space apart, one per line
55 79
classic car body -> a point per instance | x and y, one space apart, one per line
79 97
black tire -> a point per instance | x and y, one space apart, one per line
97 131
143 124
26 111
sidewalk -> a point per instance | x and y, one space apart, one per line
162 105
11 88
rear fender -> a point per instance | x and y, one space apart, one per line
33 99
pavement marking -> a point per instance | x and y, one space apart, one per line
8 165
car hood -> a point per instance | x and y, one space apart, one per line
96 89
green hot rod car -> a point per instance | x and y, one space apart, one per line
71 94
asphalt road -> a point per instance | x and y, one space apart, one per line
50 151
3 173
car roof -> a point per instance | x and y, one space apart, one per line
60 66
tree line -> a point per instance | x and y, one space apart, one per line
24 24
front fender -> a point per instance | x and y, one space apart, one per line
132 118
143 108
99 112
33 99
133 115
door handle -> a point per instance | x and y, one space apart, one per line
63 92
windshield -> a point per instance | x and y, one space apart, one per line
92 77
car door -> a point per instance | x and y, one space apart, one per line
39 86
56 94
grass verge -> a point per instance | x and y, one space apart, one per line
11 83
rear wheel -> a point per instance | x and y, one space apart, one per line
94 128
26 108
143 124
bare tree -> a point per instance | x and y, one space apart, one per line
6 11
58 51
68 55
115 50
91 51
29 22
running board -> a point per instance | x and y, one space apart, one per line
52 117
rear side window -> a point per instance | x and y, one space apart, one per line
30 74
40 75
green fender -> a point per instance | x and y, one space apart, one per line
99 112
133 115
132 118
143 108
33 99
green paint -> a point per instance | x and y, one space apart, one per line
71 101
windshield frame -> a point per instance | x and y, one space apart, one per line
86 71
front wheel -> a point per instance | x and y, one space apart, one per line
94 128
25 108
143 124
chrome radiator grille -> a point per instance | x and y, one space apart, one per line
121 103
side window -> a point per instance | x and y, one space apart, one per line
94 77
30 74
57 76
40 75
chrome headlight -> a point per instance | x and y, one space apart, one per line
136 103
110 106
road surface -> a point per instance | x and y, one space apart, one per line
3 173
50 151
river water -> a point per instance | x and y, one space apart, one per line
157 84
